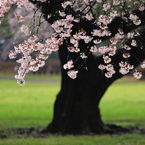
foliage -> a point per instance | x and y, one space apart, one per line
86 27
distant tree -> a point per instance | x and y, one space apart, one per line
114 28
6 34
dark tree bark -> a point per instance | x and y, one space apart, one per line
76 109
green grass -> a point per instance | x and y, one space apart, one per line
32 106
79 140
26 106
124 103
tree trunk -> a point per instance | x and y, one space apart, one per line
76 109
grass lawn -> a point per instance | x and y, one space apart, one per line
32 106
124 103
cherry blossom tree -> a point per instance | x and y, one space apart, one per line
112 28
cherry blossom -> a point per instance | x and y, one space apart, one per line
68 65
93 49
21 82
108 74
62 32
19 17
107 59
133 43
137 75
101 66
89 17
83 55
72 74
126 55
143 64
26 30
124 70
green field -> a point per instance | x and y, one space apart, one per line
32 106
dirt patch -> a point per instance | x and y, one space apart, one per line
36 132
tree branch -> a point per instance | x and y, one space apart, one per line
137 55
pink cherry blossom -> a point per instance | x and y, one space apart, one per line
72 74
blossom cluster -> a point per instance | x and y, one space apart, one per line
34 52
102 30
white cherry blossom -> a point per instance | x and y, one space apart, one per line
68 65
137 74
62 32
72 74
